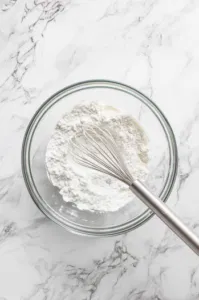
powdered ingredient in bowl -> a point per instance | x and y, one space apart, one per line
88 189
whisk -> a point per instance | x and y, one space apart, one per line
96 148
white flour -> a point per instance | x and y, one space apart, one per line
88 189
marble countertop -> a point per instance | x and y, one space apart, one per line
46 45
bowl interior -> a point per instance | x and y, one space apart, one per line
162 154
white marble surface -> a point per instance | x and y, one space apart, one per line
45 45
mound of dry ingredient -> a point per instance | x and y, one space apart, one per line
89 189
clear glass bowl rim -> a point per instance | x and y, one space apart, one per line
26 165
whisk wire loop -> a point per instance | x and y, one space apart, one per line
96 148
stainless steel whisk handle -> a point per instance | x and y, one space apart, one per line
166 215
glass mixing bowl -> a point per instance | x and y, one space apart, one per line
162 152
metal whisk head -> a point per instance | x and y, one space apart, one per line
96 148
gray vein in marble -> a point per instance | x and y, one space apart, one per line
23 57
87 279
186 168
8 5
8 230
